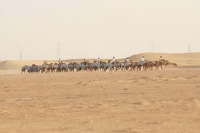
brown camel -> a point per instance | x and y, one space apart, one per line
85 62
166 63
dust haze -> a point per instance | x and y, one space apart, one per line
101 28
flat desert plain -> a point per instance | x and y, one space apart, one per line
164 101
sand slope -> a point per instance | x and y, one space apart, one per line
15 65
12 65
182 59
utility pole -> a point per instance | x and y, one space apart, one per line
58 49
20 52
20 55
189 48
152 46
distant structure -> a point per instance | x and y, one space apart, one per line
20 52
20 55
152 46
188 48
58 49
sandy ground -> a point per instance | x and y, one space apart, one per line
101 102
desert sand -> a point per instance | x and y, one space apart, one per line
164 101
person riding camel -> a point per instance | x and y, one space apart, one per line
113 60
45 62
84 61
60 62
161 59
98 60
127 60
143 59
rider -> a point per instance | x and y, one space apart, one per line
45 62
113 60
98 60
161 59
59 61
143 59
127 60
84 61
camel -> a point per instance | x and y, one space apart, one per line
85 62
47 67
115 64
141 64
63 67
71 66
24 68
94 66
78 67
45 62
154 64
109 61
55 67
151 64
35 68
127 65
166 63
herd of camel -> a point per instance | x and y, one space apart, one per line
98 66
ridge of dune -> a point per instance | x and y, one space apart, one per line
182 59
173 56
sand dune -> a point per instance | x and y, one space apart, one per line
173 57
182 59
15 65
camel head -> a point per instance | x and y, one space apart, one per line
116 61
109 61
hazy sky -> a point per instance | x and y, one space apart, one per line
97 28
